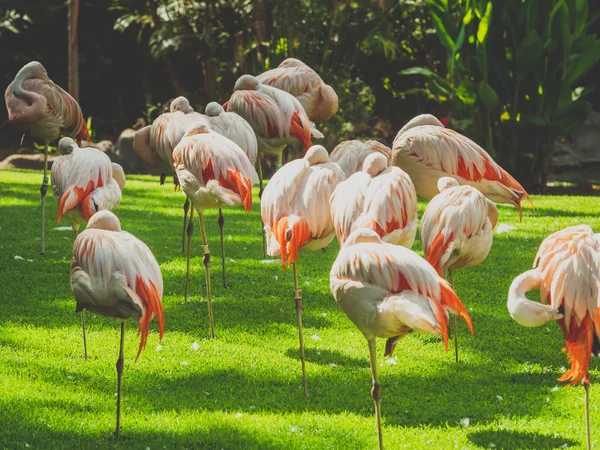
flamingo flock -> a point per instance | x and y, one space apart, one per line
363 193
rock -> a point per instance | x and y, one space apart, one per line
24 161
107 147
128 158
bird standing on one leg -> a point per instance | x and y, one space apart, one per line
427 151
155 143
388 291
235 128
295 211
115 274
456 230
567 273
378 197
88 182
45 111
213 172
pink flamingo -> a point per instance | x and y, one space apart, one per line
115 274
41 108
318 99
295 211
427 151
388 291
235 128
155 143
213 172
567 273
456 230
378 197
84 181
351 155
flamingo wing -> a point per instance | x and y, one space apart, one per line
350 155
260 111
236 128
116 274
347 203
59 176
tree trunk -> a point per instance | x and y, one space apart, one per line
73 46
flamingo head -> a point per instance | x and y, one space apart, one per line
317 154
66 146
446 183
213 109
119 175
374 164
246 83
362 235
292 62
33 69
104 220
198 128
419 121
181 104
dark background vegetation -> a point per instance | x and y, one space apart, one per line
480 62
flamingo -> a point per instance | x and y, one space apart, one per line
41 108
378 197
318 99
295 211
213 172
456 230
427 151
235 128
155 143
277 118
350 155
84 181
115 274
567 273
388 291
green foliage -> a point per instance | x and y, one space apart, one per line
13 22
514 71
244 388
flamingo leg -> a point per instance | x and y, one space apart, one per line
221 223
186 207
119 380
260 193
43 190
190 232
206 254
298 300
376 390
280 159
83 334
454 320
586 386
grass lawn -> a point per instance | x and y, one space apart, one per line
244 389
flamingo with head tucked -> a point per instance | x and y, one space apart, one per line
296 213
213 172
427 151
456 230
115 274
318 99
567 273
388 291
39 107
351 155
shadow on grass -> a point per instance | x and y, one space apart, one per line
325 357
518 440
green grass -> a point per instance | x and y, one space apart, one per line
244 389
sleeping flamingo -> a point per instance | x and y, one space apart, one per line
318 99
155 143
84 181
115 274
567 273
213 172
351 155
456 230
42 109
388 291
295 211
378 197
235 128
427 151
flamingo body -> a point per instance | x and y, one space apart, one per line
380 198
234 127
351 155
318 99
427 151
295 205
41 108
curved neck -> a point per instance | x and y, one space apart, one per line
18 90
524 311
